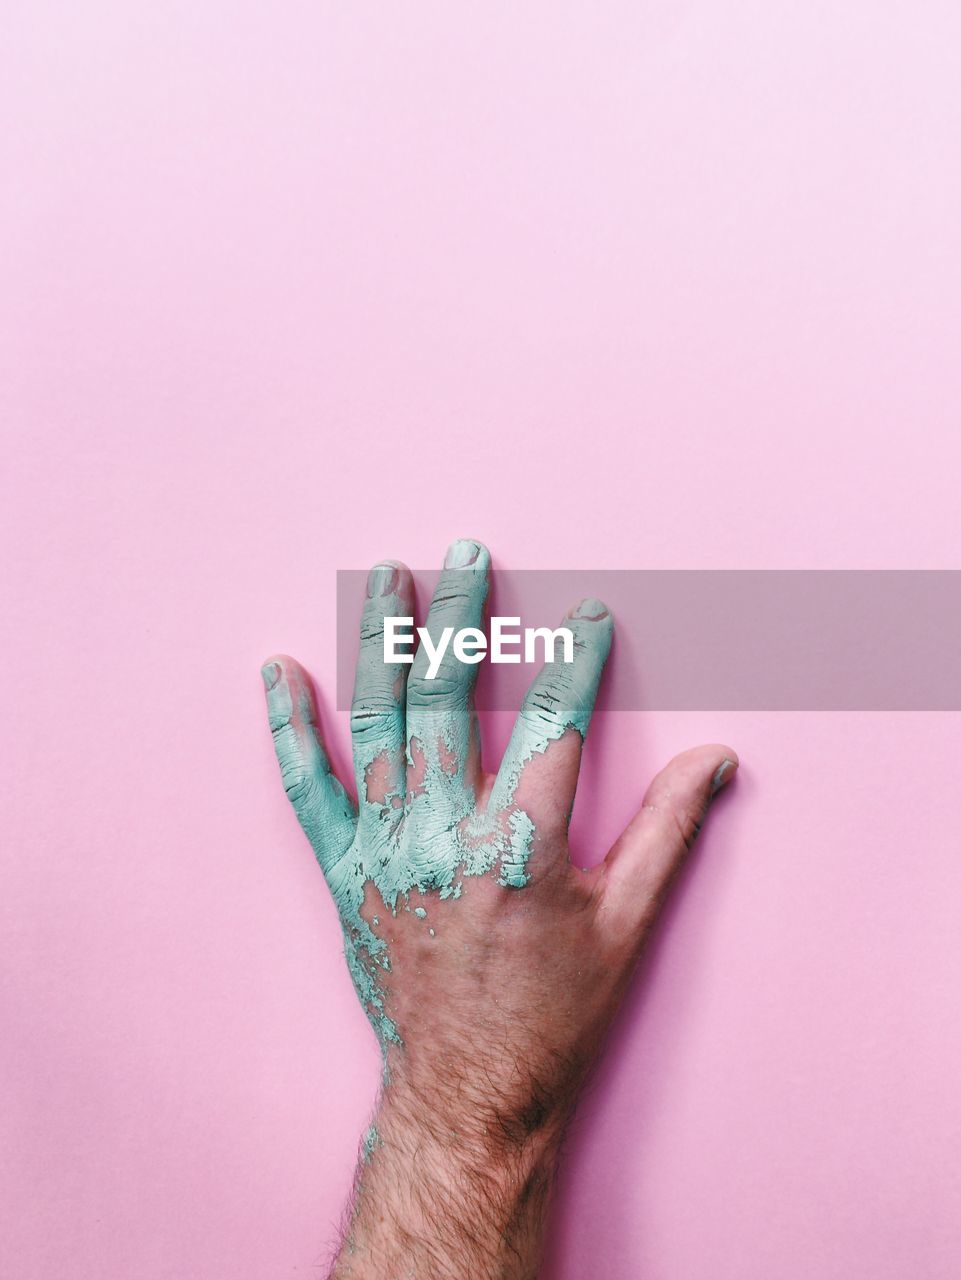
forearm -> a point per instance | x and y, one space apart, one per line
438 1198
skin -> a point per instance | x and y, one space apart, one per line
490 967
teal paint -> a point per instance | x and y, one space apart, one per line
370 1143
417 827
514 858
561 698
322 805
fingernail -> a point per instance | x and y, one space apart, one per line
381 580
591 610
723 775
461 554
270 674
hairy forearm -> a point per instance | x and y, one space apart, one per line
443 1196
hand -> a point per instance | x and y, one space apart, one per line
488 964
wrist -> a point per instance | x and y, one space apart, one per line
459 1162
466 1118
441 1186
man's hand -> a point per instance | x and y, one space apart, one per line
488 964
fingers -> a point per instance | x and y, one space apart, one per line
540 767
320 802
442 735
643 861
377 716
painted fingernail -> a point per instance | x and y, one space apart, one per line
723 774
590 610
381 580
270 674
461 554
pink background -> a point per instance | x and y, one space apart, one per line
290 287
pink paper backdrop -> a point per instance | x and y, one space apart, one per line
289 287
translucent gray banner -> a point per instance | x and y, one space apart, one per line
700 640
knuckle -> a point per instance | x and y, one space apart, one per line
688 819
442 691
372 626
451 597
550 703
373 715
539 715
299 785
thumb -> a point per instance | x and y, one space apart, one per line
648 853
